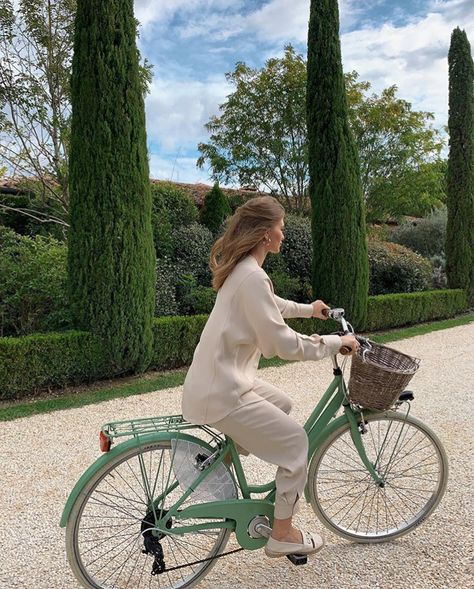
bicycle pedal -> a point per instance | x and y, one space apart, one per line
297 558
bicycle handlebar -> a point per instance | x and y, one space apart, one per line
338 315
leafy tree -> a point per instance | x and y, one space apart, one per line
35 99
260 137
460 225
36 43
399 149
340 263
111 262
215 209
401 169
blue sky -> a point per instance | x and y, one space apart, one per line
193 43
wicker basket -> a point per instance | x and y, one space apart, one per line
379 376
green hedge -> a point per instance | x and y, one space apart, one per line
41 361
395 310
38 362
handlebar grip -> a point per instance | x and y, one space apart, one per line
345 350
325 312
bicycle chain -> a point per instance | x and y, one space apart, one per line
189 564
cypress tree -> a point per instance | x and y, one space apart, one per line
111 262
460 192
340 263
215 209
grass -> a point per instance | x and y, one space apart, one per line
99 392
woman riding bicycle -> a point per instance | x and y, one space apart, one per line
221 388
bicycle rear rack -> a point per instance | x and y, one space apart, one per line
165 423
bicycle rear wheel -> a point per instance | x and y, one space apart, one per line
110 522
409 457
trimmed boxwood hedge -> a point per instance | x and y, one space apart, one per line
395 310
41 361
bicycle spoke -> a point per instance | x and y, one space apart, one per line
353 504
110 533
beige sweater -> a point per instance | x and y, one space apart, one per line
246 322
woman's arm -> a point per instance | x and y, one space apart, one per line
272 335
290 309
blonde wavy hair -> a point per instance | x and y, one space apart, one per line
244 230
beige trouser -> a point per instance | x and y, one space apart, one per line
261 425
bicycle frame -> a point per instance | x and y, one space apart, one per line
237 513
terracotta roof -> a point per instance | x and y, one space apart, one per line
198 191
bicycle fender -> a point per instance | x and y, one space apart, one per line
105 458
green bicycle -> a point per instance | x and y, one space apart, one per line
161 506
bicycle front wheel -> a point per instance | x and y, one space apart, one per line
405 453
111 524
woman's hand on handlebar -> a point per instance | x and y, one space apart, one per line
320 309
350 345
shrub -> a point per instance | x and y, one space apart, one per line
440 279
40 361
215 209
165 296
285 286
32 363
192 246
33 292
192 298
177 204
236 200
426 236
171 208
395 310
297 247
394 269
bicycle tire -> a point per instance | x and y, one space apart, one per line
122 517
347 500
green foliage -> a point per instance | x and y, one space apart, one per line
165 288
215 209
460 226
425 236
395 269
340 266
260 137
175 203
11 215
39 361
395 310
285 286
36 45
194 299
192 245
399 150
171 208
176 339
297 247
111 262
440 279
33 363
32 284
235 200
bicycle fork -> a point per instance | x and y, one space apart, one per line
356 435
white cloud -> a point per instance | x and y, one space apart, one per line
414 57
176 169
177 110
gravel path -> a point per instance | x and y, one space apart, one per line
43 456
